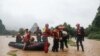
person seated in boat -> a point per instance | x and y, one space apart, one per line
32 40
26 39
38 34
18 38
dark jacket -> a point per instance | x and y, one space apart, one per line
82 33
38 32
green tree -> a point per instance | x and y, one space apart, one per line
69 29
94 30
21 31
2 28
96 21
88 30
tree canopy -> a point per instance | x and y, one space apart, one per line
2 28
94 28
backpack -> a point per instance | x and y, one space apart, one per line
64 33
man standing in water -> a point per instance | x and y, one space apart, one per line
63 41
26 39
79 37
38 34
55 39
46 33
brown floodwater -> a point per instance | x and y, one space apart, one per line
92 48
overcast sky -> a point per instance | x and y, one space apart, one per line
16 14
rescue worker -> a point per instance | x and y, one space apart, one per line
79 37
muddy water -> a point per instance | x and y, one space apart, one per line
4 48
92 48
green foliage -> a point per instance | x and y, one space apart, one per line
69 29
21 31
94 35
96 21
88 30
93 31
2 28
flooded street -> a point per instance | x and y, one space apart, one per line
92 48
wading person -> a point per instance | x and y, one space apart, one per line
38 34
63 41
79 37
83 33
55 40
46 33
45 36
26 39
